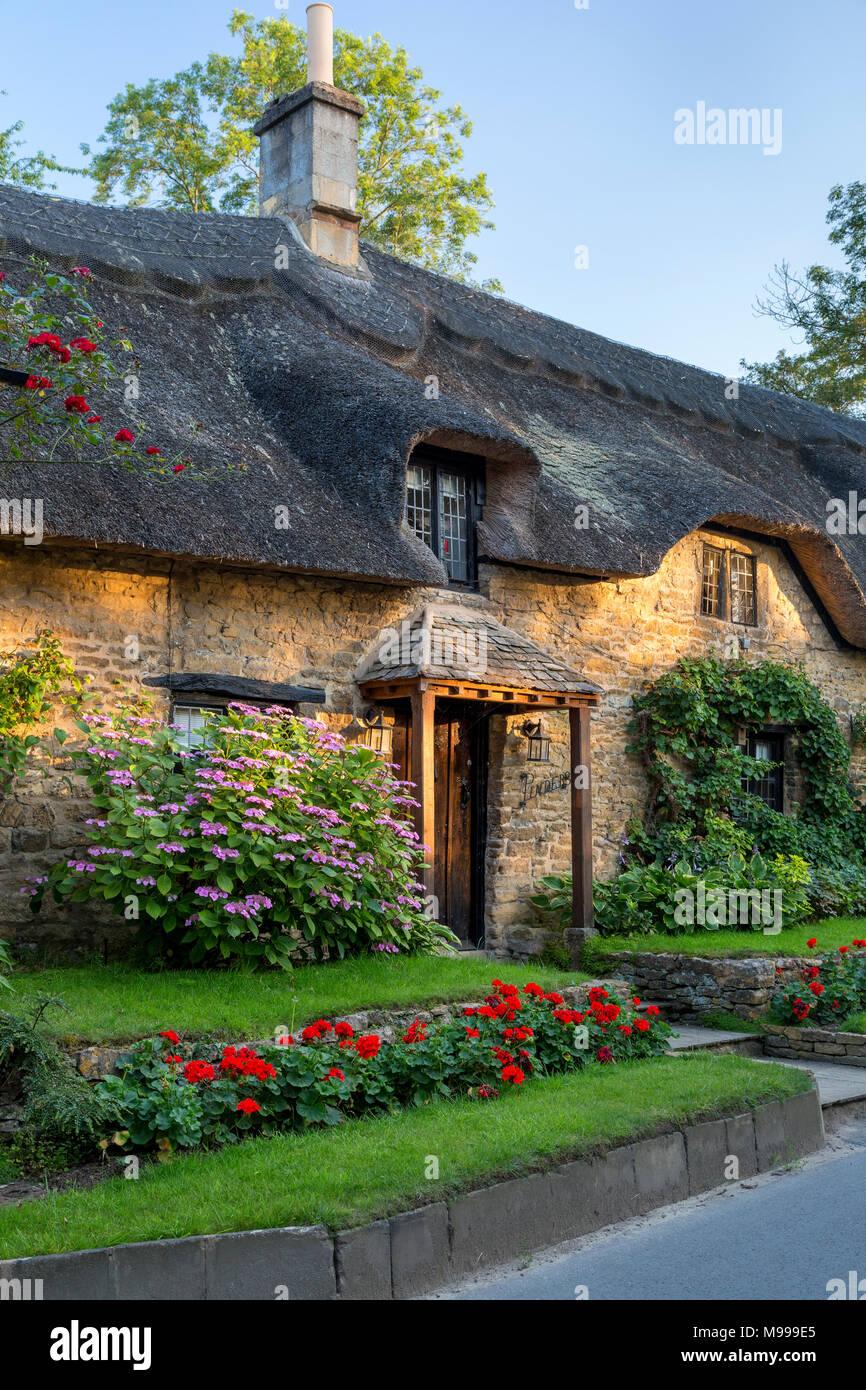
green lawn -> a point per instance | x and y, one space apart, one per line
371 1168
832 932
856 1023
118 1003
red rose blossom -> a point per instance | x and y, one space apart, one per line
76 405
124 437
83 344
152 449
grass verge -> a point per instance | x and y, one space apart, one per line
372 1168
118 1003
830 933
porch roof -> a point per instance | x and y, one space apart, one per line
469 651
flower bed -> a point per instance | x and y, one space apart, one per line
168 1098
828 988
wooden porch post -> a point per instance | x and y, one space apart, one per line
423 709
581 818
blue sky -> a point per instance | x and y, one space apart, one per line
574 125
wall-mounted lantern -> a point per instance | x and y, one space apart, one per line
376 733
539 743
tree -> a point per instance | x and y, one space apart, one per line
27 171
828 308
187 142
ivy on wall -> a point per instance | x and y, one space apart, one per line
685 728
28 680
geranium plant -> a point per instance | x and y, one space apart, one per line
167 1097
53 338
829 988
274 834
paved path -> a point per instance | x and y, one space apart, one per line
835 1083
783 1235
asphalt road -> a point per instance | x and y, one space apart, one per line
780 1236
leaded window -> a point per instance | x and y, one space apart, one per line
443 494
728 588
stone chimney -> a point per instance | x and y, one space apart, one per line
309 153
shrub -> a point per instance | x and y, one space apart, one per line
169 1099
827 991
275 833
62 1113
680 897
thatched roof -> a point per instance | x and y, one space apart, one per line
319 384
442 641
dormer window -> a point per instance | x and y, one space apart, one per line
444 494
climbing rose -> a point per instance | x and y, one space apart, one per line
76 405
93 419
178 468
83 344
83 271
152 449
124 437
36 383
49 340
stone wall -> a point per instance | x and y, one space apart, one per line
685 987
816 1044
123 618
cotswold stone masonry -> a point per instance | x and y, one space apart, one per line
286 627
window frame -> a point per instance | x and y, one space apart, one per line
725 601
470 467
776 774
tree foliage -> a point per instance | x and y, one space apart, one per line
26 170
186 142
827 310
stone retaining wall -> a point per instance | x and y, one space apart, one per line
418 1251
96 1062
815 1044
685 987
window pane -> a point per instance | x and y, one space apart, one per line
453 525
770 787
710 581
418 507
192 720
742 589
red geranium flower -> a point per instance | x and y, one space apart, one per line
172 1037
641 1025
472 1033
248 1106
338 1074
368 1046
513 1074
534 989
197 1072
812 941
604 1054
343 1030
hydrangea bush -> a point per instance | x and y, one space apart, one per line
166 1097
274 833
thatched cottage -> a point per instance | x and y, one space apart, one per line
458 529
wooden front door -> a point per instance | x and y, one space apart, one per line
460 765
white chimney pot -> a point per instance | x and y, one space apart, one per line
320 44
